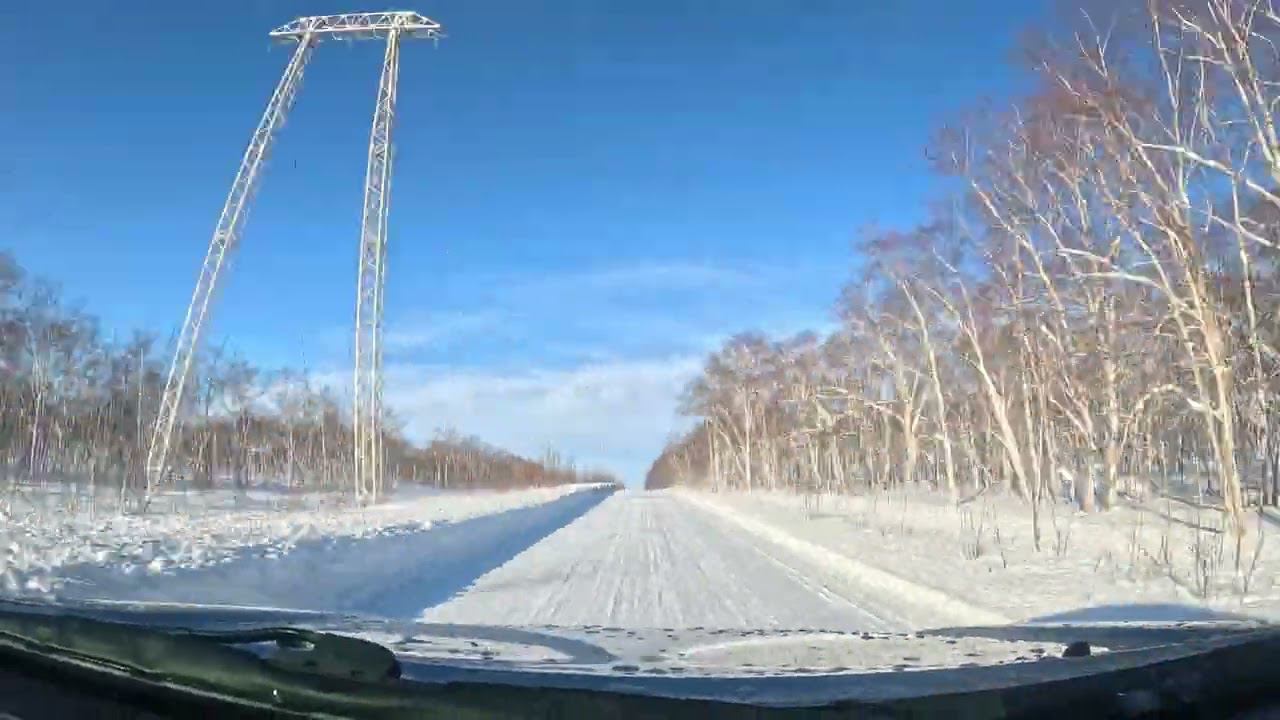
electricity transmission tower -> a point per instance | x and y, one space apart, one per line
367 380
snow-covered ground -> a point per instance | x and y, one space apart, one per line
52 538
981 555
677 559
685 559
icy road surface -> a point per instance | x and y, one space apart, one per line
653 560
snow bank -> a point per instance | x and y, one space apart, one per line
46 533
397 572
980 558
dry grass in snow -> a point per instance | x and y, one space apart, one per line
982 553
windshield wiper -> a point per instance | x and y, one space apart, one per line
302 670
185 673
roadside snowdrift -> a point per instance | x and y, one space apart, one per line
48 535
980 557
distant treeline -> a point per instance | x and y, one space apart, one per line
78 405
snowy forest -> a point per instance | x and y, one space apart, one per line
78 406
1089 312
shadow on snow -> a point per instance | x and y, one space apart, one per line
395 575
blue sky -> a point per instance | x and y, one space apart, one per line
588 196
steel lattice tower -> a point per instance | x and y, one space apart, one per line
367 377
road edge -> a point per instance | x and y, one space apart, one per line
948 608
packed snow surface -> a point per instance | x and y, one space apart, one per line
659 559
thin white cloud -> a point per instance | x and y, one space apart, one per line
442 328
607 280
614 415
647 276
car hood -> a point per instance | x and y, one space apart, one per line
777 665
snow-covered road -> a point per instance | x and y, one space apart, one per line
652 560
649 560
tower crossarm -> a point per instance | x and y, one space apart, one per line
360 26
